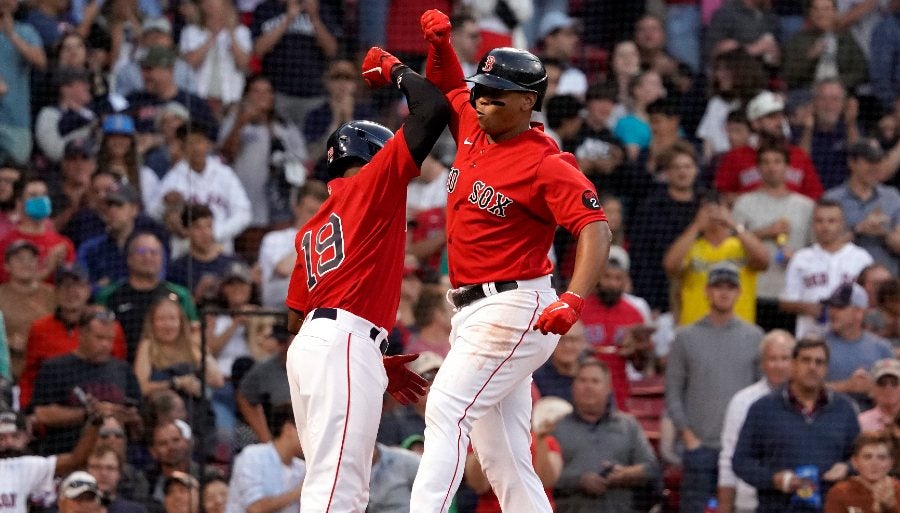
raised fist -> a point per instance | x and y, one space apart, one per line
436 27
376 67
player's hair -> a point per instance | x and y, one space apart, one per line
430 300
314 189
194 212
867 438
280 415
810 343
679 147
773 337
772 146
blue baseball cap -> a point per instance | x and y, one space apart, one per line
121 124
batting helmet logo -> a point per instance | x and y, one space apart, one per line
488 64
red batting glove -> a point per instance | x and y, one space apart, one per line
560 315
436 27
376 67
404 385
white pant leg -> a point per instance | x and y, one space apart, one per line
502 442
337 382
493 350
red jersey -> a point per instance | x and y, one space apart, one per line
605 329
44 241
505 200
50 337
350 253
737 172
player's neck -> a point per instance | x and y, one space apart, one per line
509 134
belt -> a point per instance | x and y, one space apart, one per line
331 313
472 293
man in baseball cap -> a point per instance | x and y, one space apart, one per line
182 493
886 394
79 486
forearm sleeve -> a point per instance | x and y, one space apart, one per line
443 69
429 112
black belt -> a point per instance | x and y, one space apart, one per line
472 293
331 313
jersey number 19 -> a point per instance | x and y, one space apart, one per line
328 252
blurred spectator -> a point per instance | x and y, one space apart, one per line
155 32
132 484
265 386
854 350
33 225
71 52
104 256
267 153
20 53
466 38
820 51
182 493
432 313
168 359
650 37
399 424
737 78
201 269
105 465
23 299
625 64
781 220
873 490
829 128
341 81
393 472
501 22
861 17
750 24
10 182
605 452
70 387
277 254
634 128
775 350
70 118
166 150
714 237
218 48
86 222
802 423
563 118
658 219
871 278
428 191
615 325
872 210
132 296
79 493
709 361
68 189
682 32
555 377
119 154
159 88
120 22
598 151
885 393
203 178
737 171
883 316
57 333
170 446
884 65
215 495
267 477
52 18
665 131
559 34
814 272
291 35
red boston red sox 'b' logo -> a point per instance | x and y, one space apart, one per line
488 63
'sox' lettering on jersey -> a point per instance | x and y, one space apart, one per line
452 178
8 500
487 198
488 63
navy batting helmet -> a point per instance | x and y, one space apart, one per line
354 141
511 69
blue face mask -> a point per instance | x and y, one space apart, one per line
38 208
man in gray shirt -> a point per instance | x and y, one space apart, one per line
605 452
709 361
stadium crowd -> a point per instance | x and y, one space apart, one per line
157 158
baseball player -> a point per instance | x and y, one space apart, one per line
345 289
508 189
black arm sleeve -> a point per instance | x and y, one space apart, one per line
429 111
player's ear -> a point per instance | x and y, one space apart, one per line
528 101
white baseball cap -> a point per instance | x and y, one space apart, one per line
763 104
77 484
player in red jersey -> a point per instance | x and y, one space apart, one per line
345 289
509 188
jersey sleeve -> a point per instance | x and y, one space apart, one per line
462 115
569 195
298 292
39 475
793 281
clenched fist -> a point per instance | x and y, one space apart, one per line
436 27
404 385
376 67
560 315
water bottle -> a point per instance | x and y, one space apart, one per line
780 242
712 506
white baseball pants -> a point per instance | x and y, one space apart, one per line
337 382
483 391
